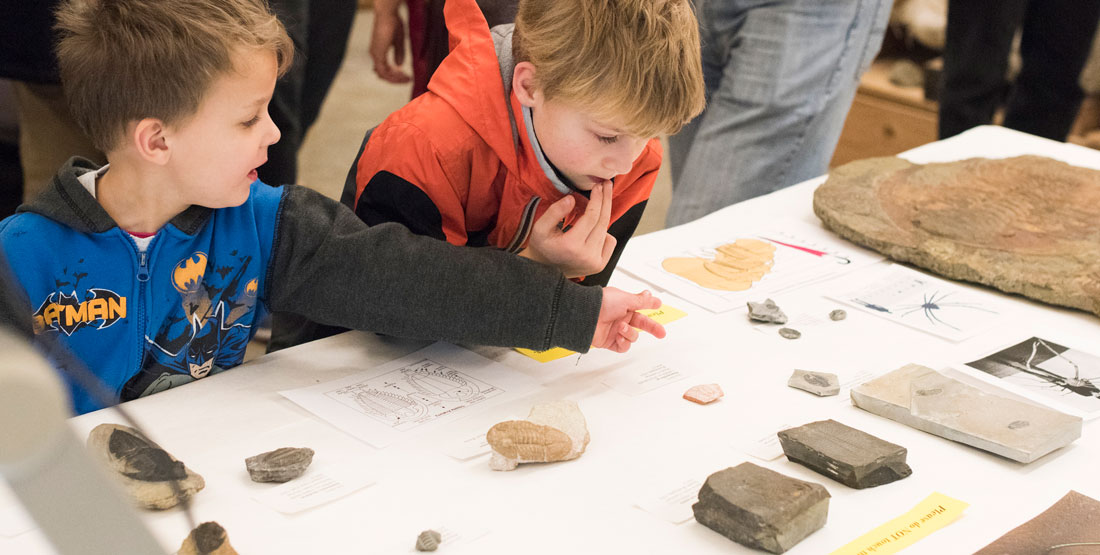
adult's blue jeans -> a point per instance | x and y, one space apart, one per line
780 77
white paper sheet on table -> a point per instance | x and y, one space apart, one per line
930 304
804 254
434 385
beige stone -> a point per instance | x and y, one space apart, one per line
208 538
704 393
1025 225
554 431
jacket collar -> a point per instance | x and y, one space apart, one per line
66 201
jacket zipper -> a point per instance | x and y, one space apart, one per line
143 278
525 223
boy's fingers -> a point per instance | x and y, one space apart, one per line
628 332
599 210
586 224
645 300
647 324
609 243
605 208
554 214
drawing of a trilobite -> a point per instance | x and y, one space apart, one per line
530 442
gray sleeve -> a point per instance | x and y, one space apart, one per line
327 265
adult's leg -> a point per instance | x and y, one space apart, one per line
329 27
286 104
48 136
713 50
789 72
1054 47
975 60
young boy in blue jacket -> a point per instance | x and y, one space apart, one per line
154 269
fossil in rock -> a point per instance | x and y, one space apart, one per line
554 431
281 465
704 393
428 540
146 471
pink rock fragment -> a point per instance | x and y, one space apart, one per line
704 393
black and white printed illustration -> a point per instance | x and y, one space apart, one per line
1048 369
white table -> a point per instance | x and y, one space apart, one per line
587 505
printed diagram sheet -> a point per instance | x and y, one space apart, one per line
737 266
436 384
1042 370
926 303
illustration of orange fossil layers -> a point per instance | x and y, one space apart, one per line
735 265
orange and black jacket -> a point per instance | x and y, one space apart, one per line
459 163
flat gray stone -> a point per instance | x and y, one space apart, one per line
145 471
822 384
1023 225
281 465
760 508
856 459
790 333
766 311
924 399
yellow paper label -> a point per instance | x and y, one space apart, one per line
547 355
662 316
935 512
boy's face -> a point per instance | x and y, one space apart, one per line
216 151
586 149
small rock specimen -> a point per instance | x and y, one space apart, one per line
145 470
822 384
208 538
704 393
554 431
1072 522
838 315
1024 225
924 399
790 333
761 509
766 311
428 540
281 465
856 459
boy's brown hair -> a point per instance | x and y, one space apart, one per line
635 61
126 60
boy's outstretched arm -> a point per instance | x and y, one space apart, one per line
329 266
619 320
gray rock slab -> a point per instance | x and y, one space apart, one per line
281 465
766 311
854 458
1023 225
145 470
760 508
924 399
822 384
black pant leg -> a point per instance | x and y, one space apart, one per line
1056 41
286 104
979 38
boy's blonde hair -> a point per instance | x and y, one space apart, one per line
635 61
126 60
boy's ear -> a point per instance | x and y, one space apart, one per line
525 84
150 141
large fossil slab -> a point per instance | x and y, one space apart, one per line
1025 225
924 399
146 471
